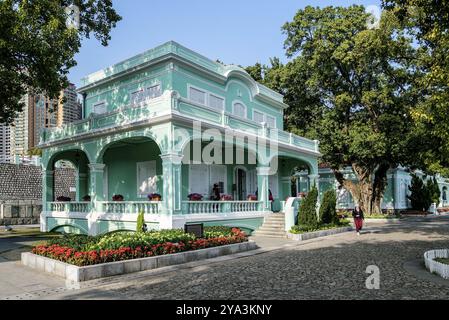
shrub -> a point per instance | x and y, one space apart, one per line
217 231
307 209
420 196
328 210
434 190
140 221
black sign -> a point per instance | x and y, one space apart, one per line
196 229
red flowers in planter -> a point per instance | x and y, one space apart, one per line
117 197
85 258
154 197
252 197
195 197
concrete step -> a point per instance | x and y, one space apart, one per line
268 229
274 224
269 234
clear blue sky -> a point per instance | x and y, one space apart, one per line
234 31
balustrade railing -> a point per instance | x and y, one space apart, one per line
70 206
148 207
217 207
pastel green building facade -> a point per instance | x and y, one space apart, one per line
172 122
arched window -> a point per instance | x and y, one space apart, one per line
239 109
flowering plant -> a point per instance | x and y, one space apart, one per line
117 197
133 245
226 197
154 197
252 197
195 197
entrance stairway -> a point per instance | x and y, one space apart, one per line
273 226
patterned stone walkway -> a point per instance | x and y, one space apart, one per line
327 268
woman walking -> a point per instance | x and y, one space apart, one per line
357 214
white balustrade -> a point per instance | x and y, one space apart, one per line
70 206
148 207
216 207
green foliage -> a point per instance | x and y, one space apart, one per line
122 239
298 229
140 221
420 196
428 22
37 46
217 231
307 215
135 239
434 190
328 208
35 152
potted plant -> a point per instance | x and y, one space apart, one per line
226 197
117 197
63 199
252 197
154 197
86 198
195 197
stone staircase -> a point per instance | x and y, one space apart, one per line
273 226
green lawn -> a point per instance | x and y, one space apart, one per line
442 260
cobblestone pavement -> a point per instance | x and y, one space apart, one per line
327 268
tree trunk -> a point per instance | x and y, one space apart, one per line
380 183
369 189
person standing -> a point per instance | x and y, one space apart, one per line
358 216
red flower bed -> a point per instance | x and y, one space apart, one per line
85 258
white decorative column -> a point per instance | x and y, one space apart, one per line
81 183
172 188
262 188
96 171
47 188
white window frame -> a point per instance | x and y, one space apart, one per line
244 105
207 97
274 120
218 97
207 178
158 84
145 90
103 102
189 87
265 115
142 163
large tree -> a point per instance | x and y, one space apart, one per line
361 77
37 45
428 22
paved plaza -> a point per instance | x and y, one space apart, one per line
333 267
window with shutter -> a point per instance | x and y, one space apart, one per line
271 121
197 96
216 102
154 91
258 116
239 110
146 178
99 108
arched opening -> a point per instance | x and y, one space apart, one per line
68 179
132 169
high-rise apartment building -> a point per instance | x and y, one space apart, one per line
6 145
39 112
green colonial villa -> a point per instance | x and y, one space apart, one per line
202 138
